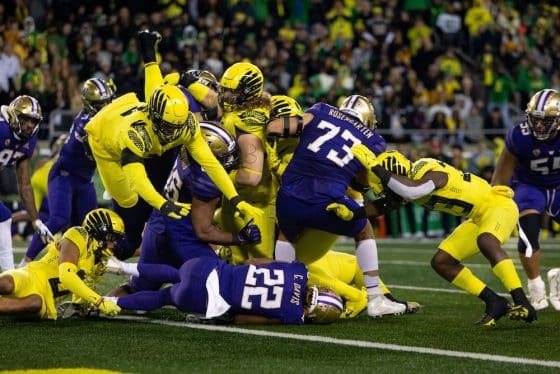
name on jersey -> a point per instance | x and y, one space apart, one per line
357 124
296 297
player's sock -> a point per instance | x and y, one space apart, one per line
366 253
6 249
284 251
467 281
505 271
146 300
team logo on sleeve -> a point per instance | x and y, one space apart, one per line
191 124
139 136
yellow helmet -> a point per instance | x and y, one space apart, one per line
543 111
360 107
240 83
101 222
23 108
395 162
222 144
324 305
96 93
168 110
284 106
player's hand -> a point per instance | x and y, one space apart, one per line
341 210
364 155
249 234
147 42
108 307
175 210
244 209
43 231
272 155
186 78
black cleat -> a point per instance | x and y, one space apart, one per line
522 312
494 311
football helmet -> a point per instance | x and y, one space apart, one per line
360 107
222 144
240 83
168 110
395 162
95 94
543 111
284 106
24 115
104 225
324 305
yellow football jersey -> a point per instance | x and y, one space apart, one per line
39 182
464 195
41 277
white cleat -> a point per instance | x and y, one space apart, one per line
114 266
379 306
537 293
554 283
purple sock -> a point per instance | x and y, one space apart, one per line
159 273
146 300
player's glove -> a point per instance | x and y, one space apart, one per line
249 234
186 78
147 42
272 155
244 209
341 210
365 156
43 231
108 307
175 210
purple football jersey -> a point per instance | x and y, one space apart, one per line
73 159
323 164
538 163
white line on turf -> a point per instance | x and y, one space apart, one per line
353 343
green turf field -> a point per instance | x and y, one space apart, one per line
440 338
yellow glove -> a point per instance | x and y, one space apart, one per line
341 210
245 209
272 155
175 209
365 156
355 307
108 307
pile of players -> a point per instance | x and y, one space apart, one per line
236 198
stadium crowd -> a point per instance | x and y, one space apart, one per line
442 75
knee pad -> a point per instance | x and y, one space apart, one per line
531 225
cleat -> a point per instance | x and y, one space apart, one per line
412 307
114 266
522 312
379 306
554 283
494 311
537 293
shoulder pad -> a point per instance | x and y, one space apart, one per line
139 137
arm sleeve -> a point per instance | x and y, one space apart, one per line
411 193
200 151
198 90
68 275
138 178
153 78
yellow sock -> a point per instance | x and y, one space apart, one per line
506 272
467 281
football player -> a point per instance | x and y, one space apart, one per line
246 112
530 163
259 292
339 271
71 192
173 242
19 122
491 216
72 265
317 179
128 131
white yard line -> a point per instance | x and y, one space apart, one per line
352 343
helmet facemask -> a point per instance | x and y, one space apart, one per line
542 128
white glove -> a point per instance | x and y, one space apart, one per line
43 231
